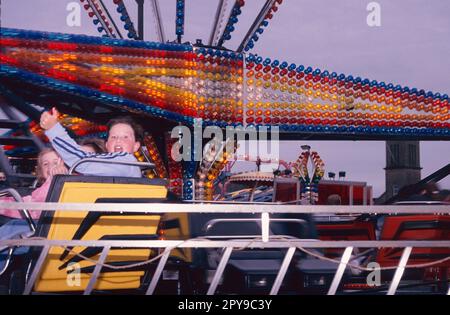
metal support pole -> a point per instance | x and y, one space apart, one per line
36 270
97 269
116 29
223 262
340 271
158 20
399 272
158 271
281 274
140 4
99 17
215 29
256 24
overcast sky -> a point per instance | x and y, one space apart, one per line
411 47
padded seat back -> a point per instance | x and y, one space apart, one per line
415 227
68 225
344 231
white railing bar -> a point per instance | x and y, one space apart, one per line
340 271
222 208
158 271
265 223
220 268
203 243
36 270
98 267
399 271
282 273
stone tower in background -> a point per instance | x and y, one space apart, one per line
402 166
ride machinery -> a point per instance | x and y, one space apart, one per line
165 84
89 79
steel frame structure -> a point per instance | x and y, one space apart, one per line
265 241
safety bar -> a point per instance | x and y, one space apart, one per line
24 212
103 161
8 260
13 193
208 225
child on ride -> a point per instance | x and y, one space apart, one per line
123 140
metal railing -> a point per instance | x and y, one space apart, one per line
25 214
23 211
103 161
265 240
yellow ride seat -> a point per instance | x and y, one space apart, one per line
56 274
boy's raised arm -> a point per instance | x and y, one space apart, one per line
71 152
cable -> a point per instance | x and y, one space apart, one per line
309 252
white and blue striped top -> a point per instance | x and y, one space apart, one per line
71 152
